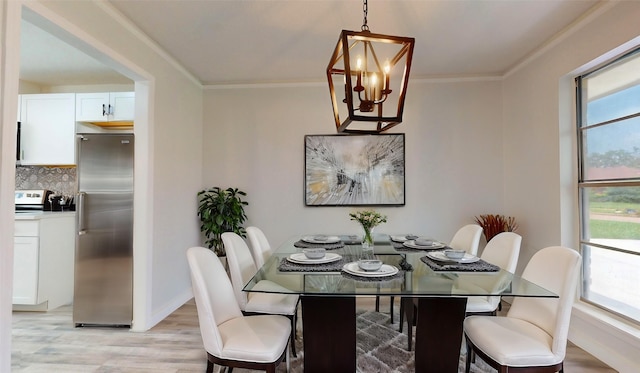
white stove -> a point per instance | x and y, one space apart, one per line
32 199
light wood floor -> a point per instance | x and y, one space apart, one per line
48 342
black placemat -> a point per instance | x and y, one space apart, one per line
309 245
399 274
287 266
400 247
479 266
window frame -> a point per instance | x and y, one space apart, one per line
584 186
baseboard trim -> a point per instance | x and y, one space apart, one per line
166 310
610 339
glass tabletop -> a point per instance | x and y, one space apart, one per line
405 273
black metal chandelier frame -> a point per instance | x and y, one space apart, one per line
367 84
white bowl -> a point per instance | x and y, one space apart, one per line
423 242
454 254
315 253
369 265
320 237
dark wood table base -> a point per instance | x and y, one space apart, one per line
439 333
329 329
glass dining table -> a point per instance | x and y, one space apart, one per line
328 289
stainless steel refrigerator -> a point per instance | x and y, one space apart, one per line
103 291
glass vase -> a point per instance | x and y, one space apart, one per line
367 239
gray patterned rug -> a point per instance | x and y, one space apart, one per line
380 348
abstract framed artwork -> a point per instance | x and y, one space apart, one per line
354 170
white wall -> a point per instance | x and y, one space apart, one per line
254 140
540 159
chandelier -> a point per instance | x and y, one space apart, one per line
374 70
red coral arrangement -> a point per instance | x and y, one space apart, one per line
494 224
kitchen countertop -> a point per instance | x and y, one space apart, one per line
36 215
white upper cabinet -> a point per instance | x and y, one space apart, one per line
105 107
47 129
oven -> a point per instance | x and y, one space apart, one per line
32 200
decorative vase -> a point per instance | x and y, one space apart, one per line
367 238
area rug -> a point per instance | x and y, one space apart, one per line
380 348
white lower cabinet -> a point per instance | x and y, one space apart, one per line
25 270
43 262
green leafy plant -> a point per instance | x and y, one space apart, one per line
221 210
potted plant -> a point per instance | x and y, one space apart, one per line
221 210
495 224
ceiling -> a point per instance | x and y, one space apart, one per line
258 41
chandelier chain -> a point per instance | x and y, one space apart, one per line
365 10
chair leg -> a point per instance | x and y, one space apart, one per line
287 360
391 308
209 366
467 366
293 335
401 312
410 314
377 303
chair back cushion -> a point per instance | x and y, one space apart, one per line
503 250
260 247
467 238
214 296
556 269
241 265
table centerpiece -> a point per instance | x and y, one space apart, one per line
368 219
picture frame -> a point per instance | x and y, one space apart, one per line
354 170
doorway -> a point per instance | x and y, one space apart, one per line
12 14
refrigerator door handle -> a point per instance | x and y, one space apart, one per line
80 208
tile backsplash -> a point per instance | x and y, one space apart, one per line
61 180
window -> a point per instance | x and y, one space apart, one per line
608 113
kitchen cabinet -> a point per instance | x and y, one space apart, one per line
47 134
25 270
105 107
43 264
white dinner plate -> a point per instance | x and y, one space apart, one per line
354 269
314 239
300 258
412 244
441 257
398 238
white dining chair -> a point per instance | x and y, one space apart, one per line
230 338
242 269
467 238
533 334
502 250
260 247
